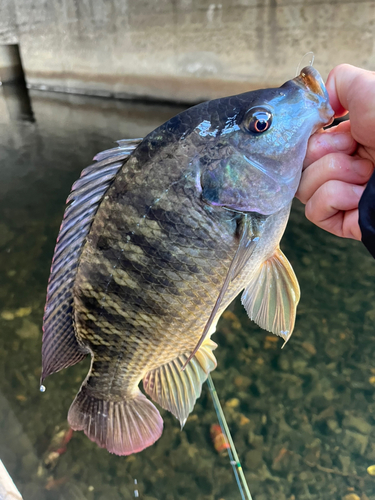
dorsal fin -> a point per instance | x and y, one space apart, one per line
60 347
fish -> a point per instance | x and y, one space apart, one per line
159 235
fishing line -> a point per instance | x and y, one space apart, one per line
307 60
233 457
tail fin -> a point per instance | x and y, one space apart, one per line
123 427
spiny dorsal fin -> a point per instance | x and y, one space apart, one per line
176 390
60 348
272 295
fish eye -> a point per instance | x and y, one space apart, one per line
258 120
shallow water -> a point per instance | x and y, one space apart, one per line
303 418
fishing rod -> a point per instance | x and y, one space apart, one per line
233 456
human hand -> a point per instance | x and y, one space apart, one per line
340 160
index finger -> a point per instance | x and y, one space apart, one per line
333 140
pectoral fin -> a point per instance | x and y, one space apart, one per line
272 295
176 390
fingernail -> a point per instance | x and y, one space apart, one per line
341 141
358 190
362 167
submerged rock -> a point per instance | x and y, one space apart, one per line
254 459
28 330
357 423
345 463
6 235
7 315
23 311
355 442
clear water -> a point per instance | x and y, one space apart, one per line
302 418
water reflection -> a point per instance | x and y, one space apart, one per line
17 102
303 419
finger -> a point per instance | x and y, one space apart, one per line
334 166
343 224
331 206
340 103
353 89
335 139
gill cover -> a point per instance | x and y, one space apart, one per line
261 169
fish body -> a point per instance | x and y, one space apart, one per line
160 235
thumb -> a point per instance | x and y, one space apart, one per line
353 89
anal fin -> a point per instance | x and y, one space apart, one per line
272 295
176 390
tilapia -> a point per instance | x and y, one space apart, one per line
159 235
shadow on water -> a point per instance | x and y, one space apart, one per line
302 418
17 102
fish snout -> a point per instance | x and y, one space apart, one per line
311 81
311 78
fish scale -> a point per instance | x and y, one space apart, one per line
158 237
155 253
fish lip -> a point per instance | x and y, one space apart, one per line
332 119
310 79
311 82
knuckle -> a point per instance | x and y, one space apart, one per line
338 163
344 67
310 212
329 189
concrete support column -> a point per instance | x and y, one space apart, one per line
10 64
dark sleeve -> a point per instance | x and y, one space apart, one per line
366 209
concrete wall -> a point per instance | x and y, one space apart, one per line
10 64
185 50
8 25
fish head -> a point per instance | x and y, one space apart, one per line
253 160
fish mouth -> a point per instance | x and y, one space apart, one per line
310 80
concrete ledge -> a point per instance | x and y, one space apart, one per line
146 87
